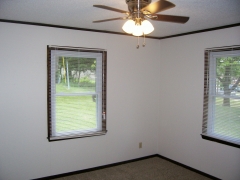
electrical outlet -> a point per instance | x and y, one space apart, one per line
140 145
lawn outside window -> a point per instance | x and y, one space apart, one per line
76 92
221 108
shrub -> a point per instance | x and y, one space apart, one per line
86 82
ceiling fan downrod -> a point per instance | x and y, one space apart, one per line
139 19
134 5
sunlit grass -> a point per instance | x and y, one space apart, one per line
227 119
75 112
73 89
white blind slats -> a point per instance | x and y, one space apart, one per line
221 105
75 92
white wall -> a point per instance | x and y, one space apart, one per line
132 87
154 96
181 102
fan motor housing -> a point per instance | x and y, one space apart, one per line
133 4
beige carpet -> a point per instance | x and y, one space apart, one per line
149 169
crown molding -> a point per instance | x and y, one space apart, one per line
118 33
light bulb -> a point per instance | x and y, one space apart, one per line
129 26
147 27
137 30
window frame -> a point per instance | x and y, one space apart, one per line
101 109
210 94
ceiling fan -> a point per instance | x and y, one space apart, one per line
138 13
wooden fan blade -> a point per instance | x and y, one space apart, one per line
112 19
170 18
158 6
111 9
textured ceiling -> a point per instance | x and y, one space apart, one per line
204 14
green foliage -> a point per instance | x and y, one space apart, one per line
231 64
228 75
86 82
75 66
78 64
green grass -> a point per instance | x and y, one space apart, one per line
73 89
227 119
75 112
79 113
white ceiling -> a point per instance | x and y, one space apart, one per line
204 14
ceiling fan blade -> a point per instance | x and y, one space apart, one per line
112 19
158 6
170 18
111 9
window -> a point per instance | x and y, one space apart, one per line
221 109
76 92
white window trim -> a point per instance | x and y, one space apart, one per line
213 95
53 135
210 134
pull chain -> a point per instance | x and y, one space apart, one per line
144 42
138 43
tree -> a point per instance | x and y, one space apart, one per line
228 75
76 66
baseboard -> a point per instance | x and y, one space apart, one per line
95 168
125 162
189 168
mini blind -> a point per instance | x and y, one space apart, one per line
221 103
76 92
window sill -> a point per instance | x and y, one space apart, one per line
220 141
75 136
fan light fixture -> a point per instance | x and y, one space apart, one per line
138 28
138 12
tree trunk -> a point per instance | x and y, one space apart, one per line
79 73
226 102
226 83
227 92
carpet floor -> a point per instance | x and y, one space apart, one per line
154 168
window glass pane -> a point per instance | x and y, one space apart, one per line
226 104
227 118
221 108
227 77
76 92
75 113
75 75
